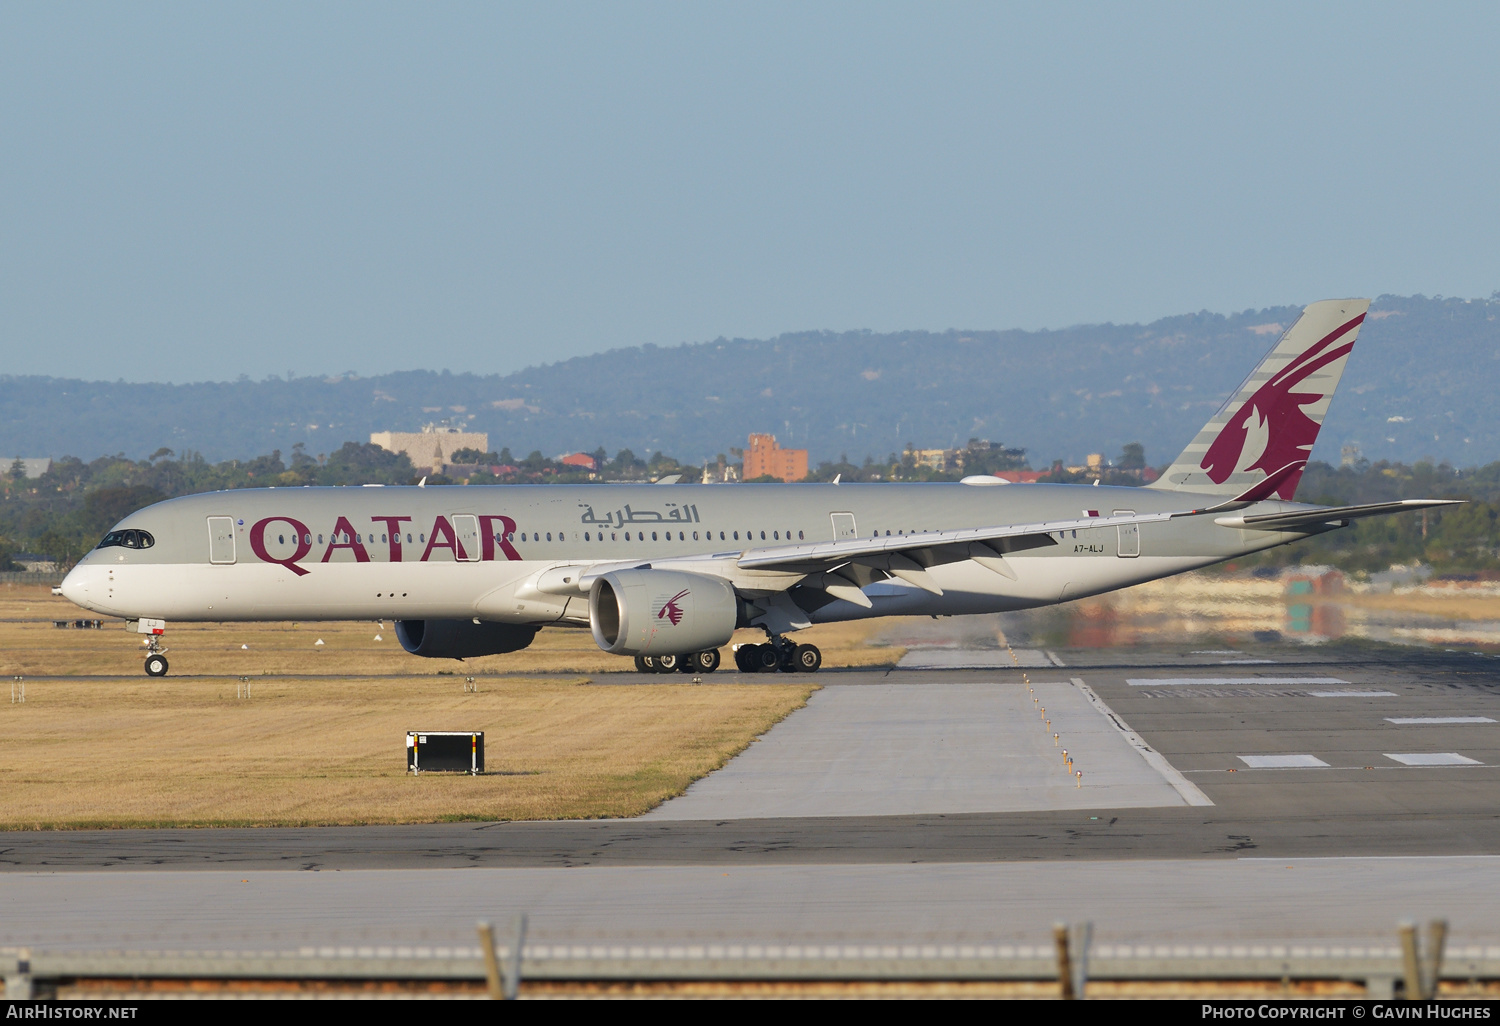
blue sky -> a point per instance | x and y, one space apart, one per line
198 191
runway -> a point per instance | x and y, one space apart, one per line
1189 901
910 803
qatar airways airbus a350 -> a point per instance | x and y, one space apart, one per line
666 574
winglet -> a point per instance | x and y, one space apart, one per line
1267 488
1263 489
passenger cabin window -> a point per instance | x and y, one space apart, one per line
128 540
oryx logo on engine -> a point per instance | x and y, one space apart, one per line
670 610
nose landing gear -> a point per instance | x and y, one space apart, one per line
156 662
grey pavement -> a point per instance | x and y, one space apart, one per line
1316 900
906 749
951 658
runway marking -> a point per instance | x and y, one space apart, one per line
1433 759
1261 692
1152 682
1410 720
1283 761
949 658
1244 662
1181 784
1361 858
1053 656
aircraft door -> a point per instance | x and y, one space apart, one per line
1129 536
843 526
221 539
466 527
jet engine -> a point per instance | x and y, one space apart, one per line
462 639
661 612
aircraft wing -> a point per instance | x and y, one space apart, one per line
1293 519
794 557
845 565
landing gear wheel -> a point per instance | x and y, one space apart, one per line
687 663
643 665
707 660
156 666
806 659
766 659
742 659
666 663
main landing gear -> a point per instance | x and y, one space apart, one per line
706 661
778 654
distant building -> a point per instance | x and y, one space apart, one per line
431 448
1094 466
579 459
937 459
34 466
765 457
719 472
34 563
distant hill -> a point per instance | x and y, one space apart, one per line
1421 385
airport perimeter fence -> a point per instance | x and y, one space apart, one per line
507 966
29 577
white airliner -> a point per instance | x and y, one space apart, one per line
666 574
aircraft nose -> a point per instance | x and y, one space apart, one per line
75 586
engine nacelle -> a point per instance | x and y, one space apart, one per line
661 612
462 639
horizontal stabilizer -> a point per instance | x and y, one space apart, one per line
1293 519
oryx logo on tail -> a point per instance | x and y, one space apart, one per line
670 610
1270 431
1269 424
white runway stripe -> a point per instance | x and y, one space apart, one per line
1433 759
1156 682
1282 761
1411 720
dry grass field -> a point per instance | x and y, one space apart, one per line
104 752
1456 606
29 644
321 740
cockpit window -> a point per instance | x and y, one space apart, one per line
128 539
